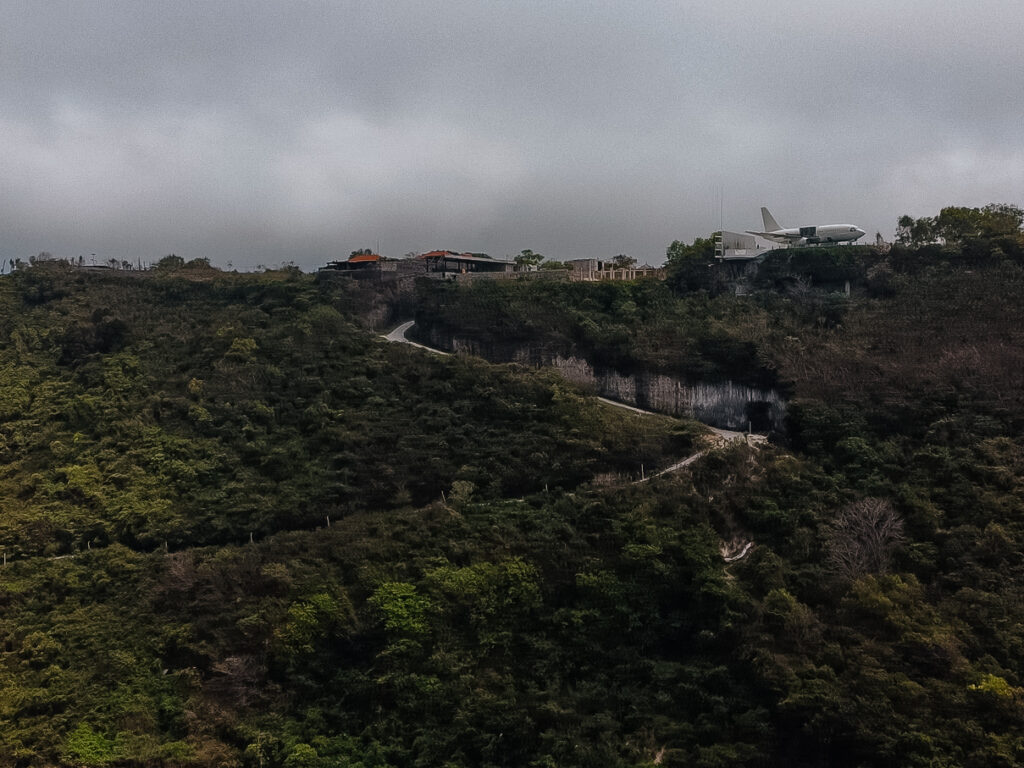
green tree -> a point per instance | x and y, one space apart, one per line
1001 219
89 748
314 620
527 259
915 232
405 612
170 262
702 249
689 265
956 224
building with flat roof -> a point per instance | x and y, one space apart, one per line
451 263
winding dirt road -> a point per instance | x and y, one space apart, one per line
399 335
731 551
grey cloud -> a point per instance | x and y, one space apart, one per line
262 132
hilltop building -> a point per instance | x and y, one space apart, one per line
437 265
591 270
451 263
357 261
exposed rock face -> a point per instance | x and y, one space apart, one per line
377 298
724 404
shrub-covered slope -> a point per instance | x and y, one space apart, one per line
147 409
531 616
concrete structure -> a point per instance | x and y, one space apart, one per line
736 246
591 270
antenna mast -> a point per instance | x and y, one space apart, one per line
719 242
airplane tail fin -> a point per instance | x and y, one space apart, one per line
770 224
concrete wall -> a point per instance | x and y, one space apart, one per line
592 270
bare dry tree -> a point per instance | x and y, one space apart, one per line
180 574
240 679
862 538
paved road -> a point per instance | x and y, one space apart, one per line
726 434
632 408
399 335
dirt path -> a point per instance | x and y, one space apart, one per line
677 466
632 408
724 434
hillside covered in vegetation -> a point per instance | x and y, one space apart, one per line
242 530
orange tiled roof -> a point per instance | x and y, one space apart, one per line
360 257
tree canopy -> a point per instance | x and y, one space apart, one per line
242 530
954 224
529 259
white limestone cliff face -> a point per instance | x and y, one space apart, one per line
725 404
721 404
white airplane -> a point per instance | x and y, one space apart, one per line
828 233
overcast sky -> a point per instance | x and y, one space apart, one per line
267 132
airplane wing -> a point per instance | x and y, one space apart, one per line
777 237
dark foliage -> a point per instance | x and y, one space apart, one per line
546 611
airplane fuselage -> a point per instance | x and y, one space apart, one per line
829 233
